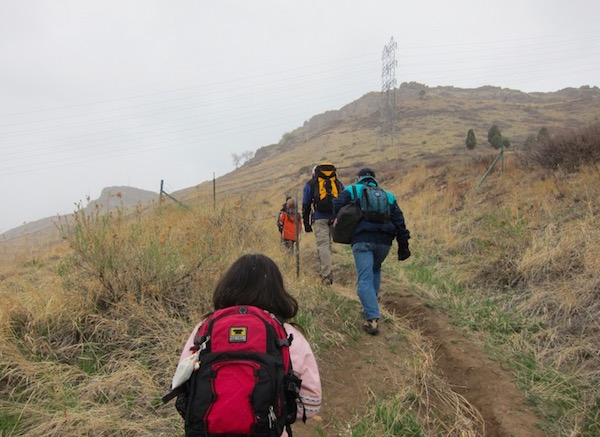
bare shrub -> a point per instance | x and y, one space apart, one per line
568 150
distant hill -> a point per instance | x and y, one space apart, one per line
430 124
110 199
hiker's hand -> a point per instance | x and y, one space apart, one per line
307 226
403 251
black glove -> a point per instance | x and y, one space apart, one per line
403 251
306 218
307 226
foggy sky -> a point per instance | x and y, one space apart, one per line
96 94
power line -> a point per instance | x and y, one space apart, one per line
197 113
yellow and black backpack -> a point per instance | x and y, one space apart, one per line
325 187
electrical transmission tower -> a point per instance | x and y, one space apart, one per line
388 90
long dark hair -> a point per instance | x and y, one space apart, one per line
255 280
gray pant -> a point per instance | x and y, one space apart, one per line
323 236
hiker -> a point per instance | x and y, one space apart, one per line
317 213
289 224
372 239
281 211
254 280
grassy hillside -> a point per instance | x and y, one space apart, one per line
91 328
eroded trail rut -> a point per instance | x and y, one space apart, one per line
488 387
353 377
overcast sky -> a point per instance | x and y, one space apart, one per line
122 92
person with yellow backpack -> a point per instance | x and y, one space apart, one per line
317 213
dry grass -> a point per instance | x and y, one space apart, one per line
525 247
85 352
568 150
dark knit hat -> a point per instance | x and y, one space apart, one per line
366 172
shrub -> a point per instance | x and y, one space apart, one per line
568 150
139 259
471 142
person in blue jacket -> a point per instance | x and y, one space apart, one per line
371 243
317 212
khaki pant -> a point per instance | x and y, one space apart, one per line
323 236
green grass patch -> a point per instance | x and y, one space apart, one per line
387 418
89 361
9 424
591 423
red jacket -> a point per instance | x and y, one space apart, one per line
289 220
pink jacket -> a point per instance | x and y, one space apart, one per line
303 363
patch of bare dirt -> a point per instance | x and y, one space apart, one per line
352 377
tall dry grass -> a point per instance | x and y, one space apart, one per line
90 336
90 340
516 261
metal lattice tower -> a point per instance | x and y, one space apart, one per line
388 90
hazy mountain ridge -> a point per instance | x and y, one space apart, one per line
523 113
428 119
110 199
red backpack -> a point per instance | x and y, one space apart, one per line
244 385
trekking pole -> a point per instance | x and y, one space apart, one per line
297 219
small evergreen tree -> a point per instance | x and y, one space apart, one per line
471 142
496 142
494 132
496 139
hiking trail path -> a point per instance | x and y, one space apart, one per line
352 377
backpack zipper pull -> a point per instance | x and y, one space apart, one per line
272 417
201 347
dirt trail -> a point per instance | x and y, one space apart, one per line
488 387
352 378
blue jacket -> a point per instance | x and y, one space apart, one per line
371 232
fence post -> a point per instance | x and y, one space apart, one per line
214 192
160 194
500 155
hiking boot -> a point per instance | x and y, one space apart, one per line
371 326
327 280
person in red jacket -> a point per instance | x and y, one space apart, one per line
289 224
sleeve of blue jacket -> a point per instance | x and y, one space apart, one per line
402 234
306 203
343 198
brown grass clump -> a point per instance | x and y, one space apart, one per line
568 150
517 259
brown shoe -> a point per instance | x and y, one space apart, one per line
371 326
